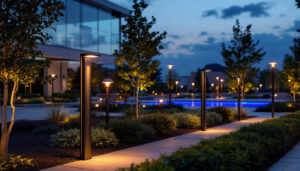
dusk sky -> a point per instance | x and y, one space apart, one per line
196 28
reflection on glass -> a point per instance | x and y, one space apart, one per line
89 28
73 24
105 23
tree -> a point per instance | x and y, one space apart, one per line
240 56
139 46
21 30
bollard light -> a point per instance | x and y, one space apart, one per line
161 102
107 82
85 106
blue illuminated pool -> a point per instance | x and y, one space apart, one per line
211 103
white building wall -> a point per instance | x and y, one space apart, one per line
60 69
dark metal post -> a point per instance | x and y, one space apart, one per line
52 98
221 89
170 94
273 91
217 88
106 107
203 101
239 100
85 109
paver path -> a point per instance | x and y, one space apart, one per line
289 162
137 154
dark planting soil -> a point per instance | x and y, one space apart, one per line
37 146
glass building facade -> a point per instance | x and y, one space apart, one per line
86 27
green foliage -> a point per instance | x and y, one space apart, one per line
57 116
65 97
71 138
280 107
73 121
15 163
47 129
225 112
213 118
239 58
253 147
162 123
34 100
130 131
187 120
139 45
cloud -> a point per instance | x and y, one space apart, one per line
276 27
255 10
210 40
223 33
166 44
203 33
173 36
209 13
295 27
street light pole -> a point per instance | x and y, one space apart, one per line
203 99
217 78
239 99
85 106
222 88
170 79
273 88
176 83
107 82
53 76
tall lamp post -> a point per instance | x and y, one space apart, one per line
239 98
222 80
193 85
273 88
53 76
289 87
260 87
203 99
217 87
170 79
107 82
85 106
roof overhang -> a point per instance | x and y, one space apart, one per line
62 53
104 4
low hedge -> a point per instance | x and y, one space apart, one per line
187 120
213 118
71 138
280 107
32 100
226 113
162 123
253 147
129 131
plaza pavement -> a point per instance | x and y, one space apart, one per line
138 154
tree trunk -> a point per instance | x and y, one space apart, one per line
294 94
4 136
137 102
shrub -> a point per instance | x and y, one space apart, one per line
71 138
213 118
16 163
47 129
280 107
66 97
253 147
225 112
187 120
130 131
162 123
73 121
57 116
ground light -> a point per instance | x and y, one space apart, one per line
85 106
170 79
203 99
53 77
239 98
273 88
107 82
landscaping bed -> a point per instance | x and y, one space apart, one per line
280 107
56 141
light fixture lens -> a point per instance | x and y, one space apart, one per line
272 64
170 66
90 55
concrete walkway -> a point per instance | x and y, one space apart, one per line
289 162
138 154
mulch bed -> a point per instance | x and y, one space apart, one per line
37 146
